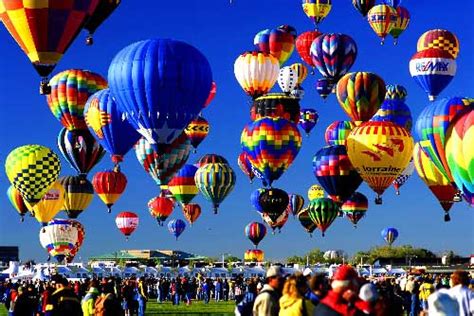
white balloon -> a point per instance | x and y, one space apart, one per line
287 79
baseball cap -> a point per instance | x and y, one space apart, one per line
274 271
307 272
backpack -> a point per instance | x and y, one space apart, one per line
99 306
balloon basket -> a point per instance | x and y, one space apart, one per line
22 219
397 192
45 88
447 218
89 40
109 208
378 200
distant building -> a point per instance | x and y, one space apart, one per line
166 257
8 253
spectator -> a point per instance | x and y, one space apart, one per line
460 291
267 301
293 302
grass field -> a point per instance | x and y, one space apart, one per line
197 308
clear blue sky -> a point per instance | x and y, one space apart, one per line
223 31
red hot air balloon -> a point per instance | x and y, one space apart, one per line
127 222
212 94
303 46
109 186
191 212
161 207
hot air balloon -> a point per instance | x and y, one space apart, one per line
315 192
278 223
109 186
278 105
44 30
337 132
459 153
191 212
215 181
295 204
79 193
287 79
440 39
70 90
379 151
273 202
432 127
183 186
162 165
308 120
176 227
104 9
80 149
34 181
317 10
389 235
322 212
335 173
306 222
303 46
59 238
176 79
396 92
254 255
81 235
127 222
161 207
255 232
197 131
436 181
256 72
212 94
382 19
395 111
401 23
107 125
245 165
403 177
360 94
255 199
433 69
278 42
333 55
210 158
17 202
271 145
301 72
51 203
363 6
324 87
393 3
355 207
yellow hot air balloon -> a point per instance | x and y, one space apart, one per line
301 72
79 193
382 18
32 169
379 151
436 181
315 192
317 10
50 205
256 72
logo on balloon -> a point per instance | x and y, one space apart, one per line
51 195
432 66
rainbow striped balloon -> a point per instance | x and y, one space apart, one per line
355 207
255 231
183 186
360 94
460 153
337 132
271 145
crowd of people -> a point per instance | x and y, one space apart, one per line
301 294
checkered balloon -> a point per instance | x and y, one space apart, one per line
32 169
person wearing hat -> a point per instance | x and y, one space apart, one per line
342 298
89 299
267 301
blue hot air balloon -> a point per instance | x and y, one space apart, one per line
255 199
395 111
161 85
176 227
324 87
108 126
389 234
